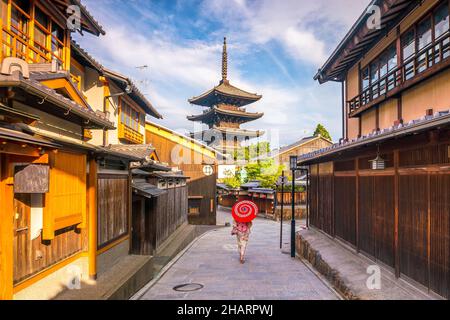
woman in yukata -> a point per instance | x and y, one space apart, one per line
242 231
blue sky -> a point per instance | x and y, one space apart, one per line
275 48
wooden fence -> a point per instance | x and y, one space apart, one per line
300 197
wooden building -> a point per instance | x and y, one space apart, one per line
117 96
298 148
195 160
225 114
48 171
385 188
160 206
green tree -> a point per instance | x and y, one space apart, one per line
323 132
232 180
266 171
252 152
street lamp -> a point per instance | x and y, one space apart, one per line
293 164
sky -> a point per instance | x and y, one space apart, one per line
173 51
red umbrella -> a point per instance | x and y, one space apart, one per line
245 211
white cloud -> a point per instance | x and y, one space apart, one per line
179 69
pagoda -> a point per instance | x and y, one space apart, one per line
224 113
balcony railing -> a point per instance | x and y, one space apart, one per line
17 44
130 135
432 55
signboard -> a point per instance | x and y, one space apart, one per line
31 178
245 211
208 170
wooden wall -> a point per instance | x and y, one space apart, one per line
155 220
113 219
34 255
399 216
191 163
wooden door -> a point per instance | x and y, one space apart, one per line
21 242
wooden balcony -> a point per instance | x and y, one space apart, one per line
130 135
424 64
17 44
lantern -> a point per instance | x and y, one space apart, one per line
378 163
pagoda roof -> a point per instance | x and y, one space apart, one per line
235 131
233 113
223 91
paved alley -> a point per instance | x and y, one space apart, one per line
213 263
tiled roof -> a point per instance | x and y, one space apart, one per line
33 86
412 127
142 187
251 184
140 151
262 190
136 94
45 76
225 89
169 175
89 16
296 144
236 113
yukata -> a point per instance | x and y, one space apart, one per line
242 232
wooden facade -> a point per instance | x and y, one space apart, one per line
395 94
156 218
77 198
191 157
398 216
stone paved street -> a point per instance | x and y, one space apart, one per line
213 262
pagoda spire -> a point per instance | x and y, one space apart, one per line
224 61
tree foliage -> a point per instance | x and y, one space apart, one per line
266 171
254 168
323 132
252 152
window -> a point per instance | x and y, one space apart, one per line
41 33
129 116
409 48
57 41
365 78
408 45
441 27
441 21
35 37
424 34
377 75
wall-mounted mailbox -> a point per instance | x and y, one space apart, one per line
31 178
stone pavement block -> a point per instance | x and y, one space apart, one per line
268 274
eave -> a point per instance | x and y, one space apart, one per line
225 91
92 120
439 120
360 39
230 113
123 81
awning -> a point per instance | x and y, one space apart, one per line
143 188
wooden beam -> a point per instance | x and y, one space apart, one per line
92 194
357 204
6 231
396 213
